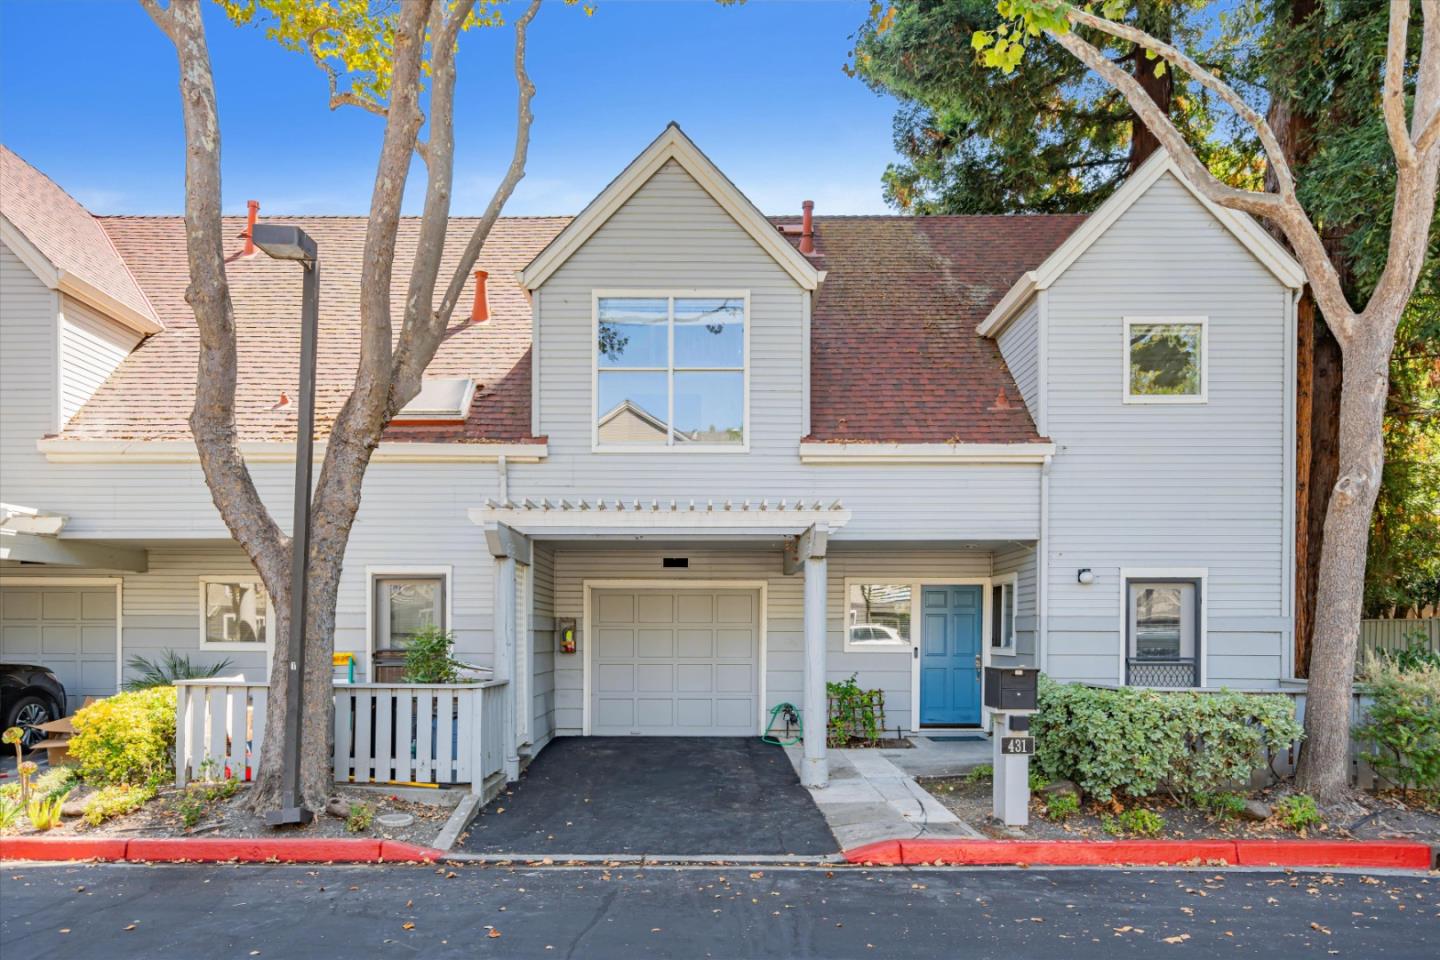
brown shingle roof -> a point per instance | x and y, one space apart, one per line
64 232
895 353
895 356
150 395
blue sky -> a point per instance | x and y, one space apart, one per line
758 87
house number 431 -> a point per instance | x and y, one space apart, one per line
1017 746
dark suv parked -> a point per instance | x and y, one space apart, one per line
29 696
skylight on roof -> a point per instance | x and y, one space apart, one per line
445 398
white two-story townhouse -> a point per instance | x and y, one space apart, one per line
683 460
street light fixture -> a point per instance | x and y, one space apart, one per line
284 242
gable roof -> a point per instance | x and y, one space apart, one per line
1242 226
65 245
894 352
672 144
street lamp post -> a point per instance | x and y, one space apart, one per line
284 242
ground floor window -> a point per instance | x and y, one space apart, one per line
234 613
1002 614
877 615
404 606
1163 635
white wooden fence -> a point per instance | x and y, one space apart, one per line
384 733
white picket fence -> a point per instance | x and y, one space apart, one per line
445 733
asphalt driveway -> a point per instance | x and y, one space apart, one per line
681 796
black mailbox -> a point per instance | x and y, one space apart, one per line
1011 688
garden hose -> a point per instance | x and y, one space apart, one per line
792 715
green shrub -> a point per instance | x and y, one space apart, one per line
116 800
981 774
361 816
1062 806
855 713
170 667
1298 812
10 810
1226 805
127 738
44 814
1135 822
428 659
199 798
1132 742
1403 722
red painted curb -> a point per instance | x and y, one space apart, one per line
61 848
215 849
1401 854
1294 853
395 851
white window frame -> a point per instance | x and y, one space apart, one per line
892 648
206 644
1202 397
1200 576
387 573
669 447
1012 580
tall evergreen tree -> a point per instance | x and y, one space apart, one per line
1048 139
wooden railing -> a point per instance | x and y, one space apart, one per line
384 732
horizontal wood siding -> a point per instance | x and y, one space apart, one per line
784 665
672 235
29 406
1020 346
91 347
1181 485
542 641
1021 561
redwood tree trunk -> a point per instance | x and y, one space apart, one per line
1321 471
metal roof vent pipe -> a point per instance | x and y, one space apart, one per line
253 206
807 227
481 311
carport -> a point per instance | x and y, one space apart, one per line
654 796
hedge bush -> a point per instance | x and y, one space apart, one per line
1133 742
127 738
1403 722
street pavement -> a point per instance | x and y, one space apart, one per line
270 911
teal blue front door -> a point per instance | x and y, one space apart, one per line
950 654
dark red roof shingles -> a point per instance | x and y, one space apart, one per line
895 353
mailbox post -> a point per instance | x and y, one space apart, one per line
1011 694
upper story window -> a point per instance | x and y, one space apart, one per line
671 371
1165 359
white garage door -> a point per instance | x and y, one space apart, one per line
71 630
675 662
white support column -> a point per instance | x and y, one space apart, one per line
508 548
810 554
505 657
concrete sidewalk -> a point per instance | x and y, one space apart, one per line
871 797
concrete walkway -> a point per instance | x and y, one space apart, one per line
873 794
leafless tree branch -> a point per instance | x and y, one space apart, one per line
1393 99
1206 78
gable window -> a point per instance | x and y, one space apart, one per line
234 614
671 372
877 616
1163 632
1002 614
1165 359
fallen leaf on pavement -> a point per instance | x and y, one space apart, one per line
493 933
1181 938
407 925
1316 926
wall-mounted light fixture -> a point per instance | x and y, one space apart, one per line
1085 576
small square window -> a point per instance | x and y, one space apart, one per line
1165 359
877 616
406 606
234 613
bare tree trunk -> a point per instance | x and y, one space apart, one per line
1324 770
